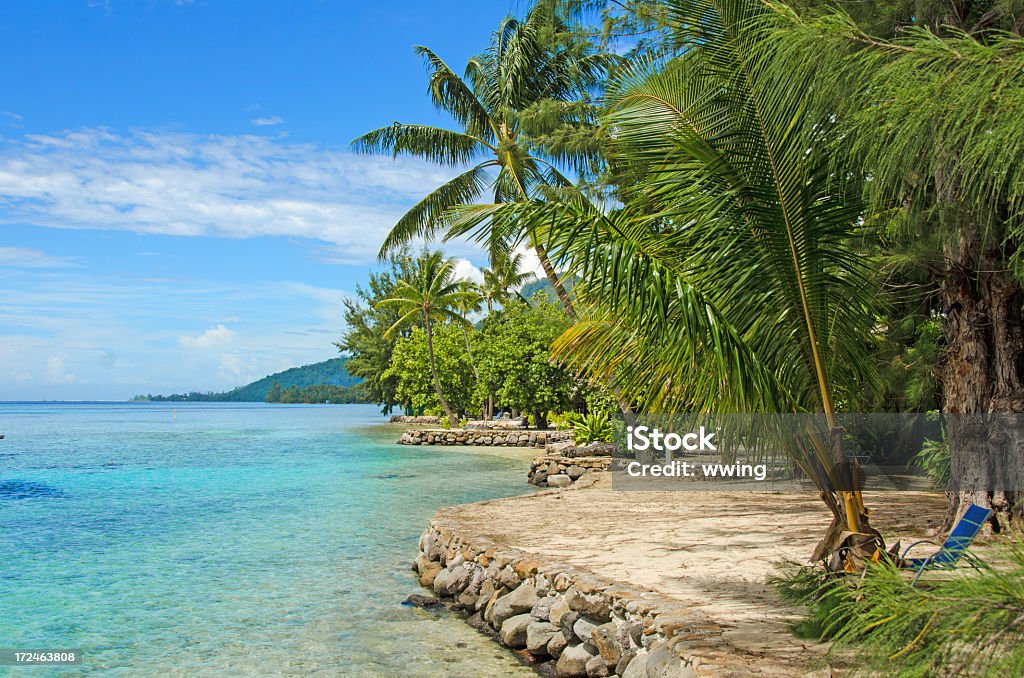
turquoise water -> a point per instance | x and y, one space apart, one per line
230 540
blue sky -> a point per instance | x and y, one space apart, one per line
179 209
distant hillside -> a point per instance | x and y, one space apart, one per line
330 372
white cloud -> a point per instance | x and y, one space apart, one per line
23 257
56 373
206 185
267 121
530 261
211 338
465 270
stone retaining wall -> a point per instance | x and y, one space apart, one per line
578 623
498 437
429 420
554 470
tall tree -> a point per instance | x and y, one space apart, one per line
729 280
936 121
527 62
429 295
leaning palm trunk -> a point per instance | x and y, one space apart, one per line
449 412
727 283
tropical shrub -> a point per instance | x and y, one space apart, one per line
595 427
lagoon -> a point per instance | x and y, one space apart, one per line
231 539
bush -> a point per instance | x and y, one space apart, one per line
966 625
592 428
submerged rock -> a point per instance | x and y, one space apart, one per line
426 602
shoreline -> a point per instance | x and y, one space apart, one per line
585 581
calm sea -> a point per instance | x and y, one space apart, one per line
193 539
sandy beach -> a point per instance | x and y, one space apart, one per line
710 551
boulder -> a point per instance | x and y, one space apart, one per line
458 579
559 609
542 610
596 668
513 630
556 645
521 600
567 623
441 582
637 668
559 480
538 635
573 662
583 628
605 638
485 595
416 600
428 573
624 660
575 471
597 450
593 605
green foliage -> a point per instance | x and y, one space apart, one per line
320 394
410 369
934 459
593 427
969 624
367 324
514 360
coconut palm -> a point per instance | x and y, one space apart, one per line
728 281
521 68
429 295
504 275
469 300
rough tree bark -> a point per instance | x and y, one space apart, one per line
981 376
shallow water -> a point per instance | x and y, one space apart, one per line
198 539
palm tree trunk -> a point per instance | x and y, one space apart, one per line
433 371
469 352
552 277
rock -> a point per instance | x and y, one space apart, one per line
634 631
426 602
507 578
593 605
575 471
542 610
597 450
567 623
538 635
596 668
467 599
521 600
583 628
559 609
556 645
637 668
429 573
441 582
659 660
458 579
485 595
605 638
573 662
624 661
559 480
513 630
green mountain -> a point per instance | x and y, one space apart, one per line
327 373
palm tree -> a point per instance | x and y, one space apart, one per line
503 276
430 294
520 69
469 301
727 282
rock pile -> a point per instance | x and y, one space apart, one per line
429 420
493 437
581 624
563 463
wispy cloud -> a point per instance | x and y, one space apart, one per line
207 185
268 121
23 257
211 338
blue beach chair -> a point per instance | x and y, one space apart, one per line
953 548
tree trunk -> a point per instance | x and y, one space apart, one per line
549 272
452 419
981 377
